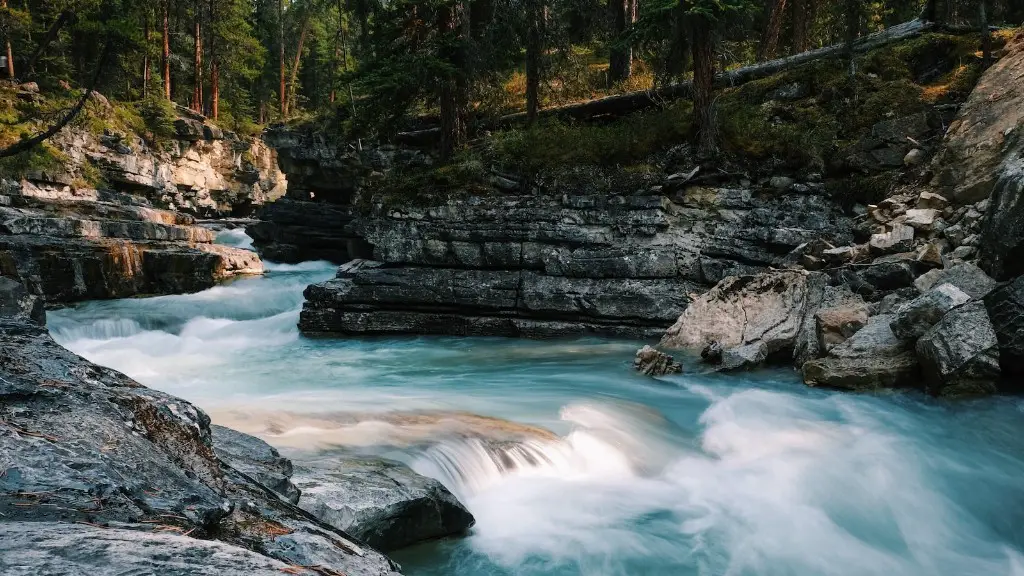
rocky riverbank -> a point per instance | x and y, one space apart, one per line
116 215
149 485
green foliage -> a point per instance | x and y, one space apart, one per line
157 115
425 186
44 158
621 142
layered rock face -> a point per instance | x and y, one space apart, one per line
140 485
541 266
110 245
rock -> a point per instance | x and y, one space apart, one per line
862 374
897 130
955 234
383 503
835 325
919 315
915 157
29 87
655 363
1002 237
960 355
144 460
212 132
188 129
1005 307
62 549
712 353
256 458
899 238
846 254
17 303
983 136
769 308
890 274
963 253
966 276
931 253
875 340
781 182
746 357
922 218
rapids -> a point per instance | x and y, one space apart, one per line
575 465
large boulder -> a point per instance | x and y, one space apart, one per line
16 302
966 276
254 457
1005 307
917 316
383 503
774 309
1002 238
987 128
871 359
960 355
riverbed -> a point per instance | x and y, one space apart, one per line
572 463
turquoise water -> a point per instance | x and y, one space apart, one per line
582 466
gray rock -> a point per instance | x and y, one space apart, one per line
188 129
915 157
966 276
875 340
61 549
960 355
836 325
922 218
781 182
963 253
745 357
653 362
257 459
862 374
383 503
17 303
712 353
1002 239
1005 307
919 315
900 238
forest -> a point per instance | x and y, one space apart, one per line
378 68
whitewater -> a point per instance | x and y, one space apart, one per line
572 463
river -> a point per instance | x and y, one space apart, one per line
750 474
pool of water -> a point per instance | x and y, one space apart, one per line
573 464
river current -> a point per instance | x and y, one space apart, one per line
573 464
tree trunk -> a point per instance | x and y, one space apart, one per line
145 56
214 64
453 95
9 52
702 46
534 49
298 59
197 62
280 44
166 62
986 37
49 37
620 56
851 31
769 45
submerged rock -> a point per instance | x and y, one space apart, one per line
383 503
960 355
653 362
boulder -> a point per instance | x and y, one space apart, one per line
383 503
256 458
1002 237
900 238
771 308
922 218
653 362
984 133
188 129
960 355
62 549
915 157
966 276
712 353
916 317
836 325
16 303
1005 307
746 357
862 374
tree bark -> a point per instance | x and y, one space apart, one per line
197 62
453 97
166 61
703 48
145 55
214 64
851 31
986 36
9 52
48 38
280 45
298 60
620 56
804 13
769 45
534 49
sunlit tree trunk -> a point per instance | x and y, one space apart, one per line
197 61
166 61
9 52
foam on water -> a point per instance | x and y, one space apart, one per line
573 464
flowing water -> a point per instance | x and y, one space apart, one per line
575 465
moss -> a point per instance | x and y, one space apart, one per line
41 158
429 185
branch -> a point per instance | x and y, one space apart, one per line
27 144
